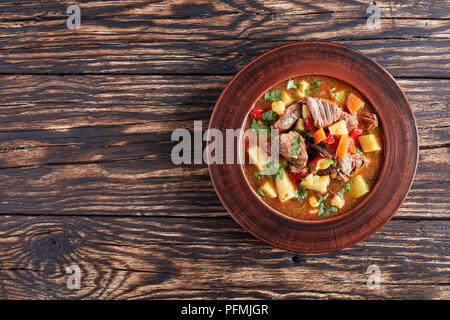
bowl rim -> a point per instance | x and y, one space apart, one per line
345 214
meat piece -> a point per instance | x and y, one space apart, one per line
295 169
350 165
323 112
350 120
287 120
292 140
369 120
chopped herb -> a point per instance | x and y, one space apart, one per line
277 167
325 209
367 131
291 85
258 126
330 161
323 198
260 192
257 175
303 134
269 116
287 121
333 89
296 98
346 188
315 85
295 143
336 168
307 92
359 151
301 193
309 134
293 160
274 95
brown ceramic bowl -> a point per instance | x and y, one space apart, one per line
396 119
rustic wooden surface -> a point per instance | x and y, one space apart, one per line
86 118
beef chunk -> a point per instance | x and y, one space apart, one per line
369 120
323 112
293 148
350 165
287 120
350 120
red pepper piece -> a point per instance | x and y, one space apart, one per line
329 139
295 177
257 112
355 133
309 122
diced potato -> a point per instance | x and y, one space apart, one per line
339 128
286 98
305 112
269 189
359 187
300 93
278 107
313 202
304 85
324 163
369 143
257 157
285 187
340 96
316 183
300 125
337 202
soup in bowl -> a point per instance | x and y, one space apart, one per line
330 147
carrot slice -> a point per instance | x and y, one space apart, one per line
319 136
342 148
354 103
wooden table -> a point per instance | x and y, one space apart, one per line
86 177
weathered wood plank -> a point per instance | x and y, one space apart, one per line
101 145
178 258
153 186
215 36
428 58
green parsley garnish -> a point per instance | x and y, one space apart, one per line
292 85
269 116
308 92
259 126
260 192
346 188
325 209
257 175
274 95
301 193
315 85
295 143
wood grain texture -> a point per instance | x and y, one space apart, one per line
214 37
104 148
87 145
210 258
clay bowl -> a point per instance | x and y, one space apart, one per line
396 119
